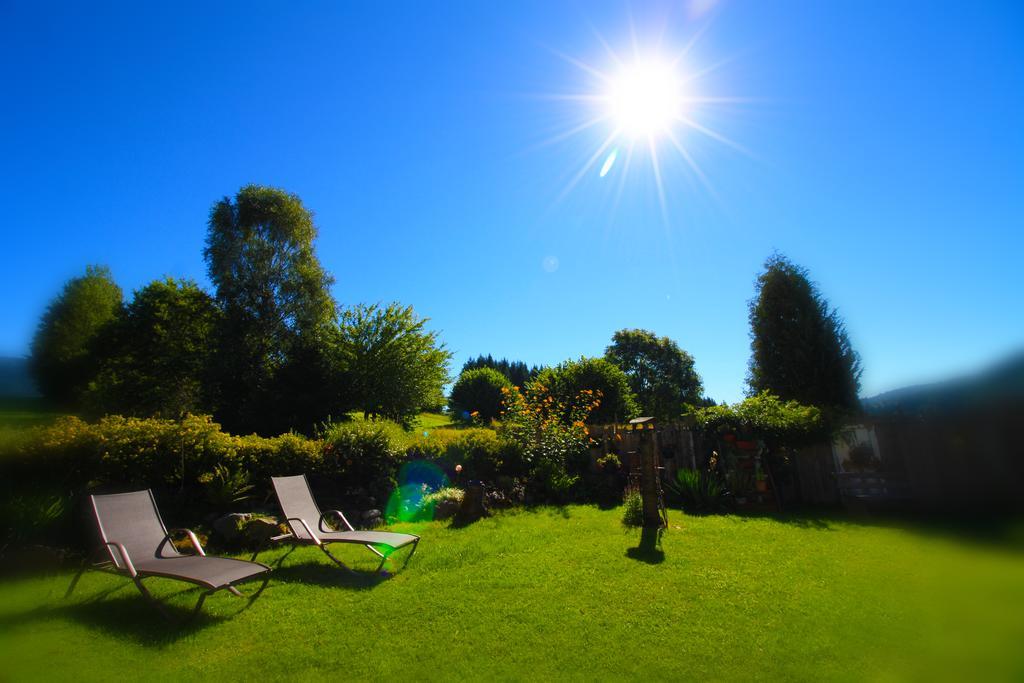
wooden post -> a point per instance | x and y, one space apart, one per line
649 482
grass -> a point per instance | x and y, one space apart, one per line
433 421
17 413
563 594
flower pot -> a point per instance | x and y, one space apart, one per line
762 486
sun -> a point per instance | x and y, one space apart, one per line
652 101
645 99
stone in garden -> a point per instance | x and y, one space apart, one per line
261 529
229 527
372 518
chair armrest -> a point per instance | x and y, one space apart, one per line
337 513
124 559
291 523
192 539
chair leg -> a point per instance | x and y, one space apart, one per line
415 544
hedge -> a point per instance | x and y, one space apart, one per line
198 465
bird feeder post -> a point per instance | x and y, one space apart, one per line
650 482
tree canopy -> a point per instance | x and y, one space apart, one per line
660 373
276 305
799 347
567 380
478 393
156 353
63 351
395 366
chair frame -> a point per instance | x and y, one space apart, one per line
322 544
122 565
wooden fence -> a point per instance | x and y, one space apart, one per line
964 462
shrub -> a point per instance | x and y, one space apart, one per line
283 455
363 455
550 434
697 491
777 422
477 395
602 379
481 453
226 488
632 508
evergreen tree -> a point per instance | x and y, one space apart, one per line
799 347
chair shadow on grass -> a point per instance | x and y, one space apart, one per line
127 616
311 570
649 551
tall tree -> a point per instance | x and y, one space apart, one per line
660 373
64 351
396 366
157 353
277 308
799 347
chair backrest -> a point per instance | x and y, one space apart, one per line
132 519
296 500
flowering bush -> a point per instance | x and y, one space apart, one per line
550 432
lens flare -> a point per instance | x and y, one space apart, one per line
409 502
609 162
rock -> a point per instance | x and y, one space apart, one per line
445 509
261 529
229 527
473 505
371 519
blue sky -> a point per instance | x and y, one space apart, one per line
882 146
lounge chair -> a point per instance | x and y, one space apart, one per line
134 537
307 524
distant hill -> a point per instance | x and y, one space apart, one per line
1002 383
15 378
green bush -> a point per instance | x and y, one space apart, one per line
777 422
196 468
632 508
480 453
363 455
477 395
607 381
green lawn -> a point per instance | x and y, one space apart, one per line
433 421
557 593
24 412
